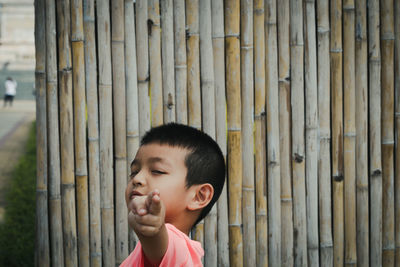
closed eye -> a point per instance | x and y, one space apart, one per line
133 174
158 172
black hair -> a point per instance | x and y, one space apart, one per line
204 162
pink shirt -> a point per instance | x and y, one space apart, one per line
181 251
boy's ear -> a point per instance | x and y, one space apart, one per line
203 194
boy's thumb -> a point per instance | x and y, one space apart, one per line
155 203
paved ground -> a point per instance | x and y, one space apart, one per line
15 123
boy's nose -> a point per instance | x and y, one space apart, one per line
139 179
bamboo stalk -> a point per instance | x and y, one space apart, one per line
66 135
375 134
208 118
56 228
156 93
311 134
397 125
232 59
350 257
142 53
168 72
273 134
387 76
361 87
298 146
217 13
337 131
106 134
247 99
93 132
324 162
259 136
132 111
180 61
119 118
42 251
193 80
81 172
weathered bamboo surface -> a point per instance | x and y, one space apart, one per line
303 97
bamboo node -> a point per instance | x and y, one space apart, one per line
349 8
145 80
93 139
259 11
181 66
350 134
323 30
376 173
338 178
273 163
391 142
170 103
218 37
298 158
232 35
260 116
337 50
286 200
387 36
397 114
247 47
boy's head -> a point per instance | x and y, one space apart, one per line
201 157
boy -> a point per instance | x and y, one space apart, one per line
176 177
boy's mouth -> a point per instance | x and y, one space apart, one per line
134 194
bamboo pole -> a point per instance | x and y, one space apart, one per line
106 134
119 118
337 131
81 172
56 228
350 256
208 118
193 64
132 110
284 128
361 87
273 99
42 251
217 16
324 162
168 71
142 54
397 124
92 132
298 128
260 170
232 59
247 99
156 91
387 130
311 95
375 134
193 80
66 134
180 62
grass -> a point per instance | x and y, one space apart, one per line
17 232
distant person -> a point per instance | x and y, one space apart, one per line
11 91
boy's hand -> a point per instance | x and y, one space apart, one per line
146 215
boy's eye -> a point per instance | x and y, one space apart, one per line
133 174
158 172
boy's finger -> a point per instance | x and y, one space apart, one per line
155 206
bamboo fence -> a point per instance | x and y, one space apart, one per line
303 98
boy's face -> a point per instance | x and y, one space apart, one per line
160 167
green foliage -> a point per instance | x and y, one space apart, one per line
17 232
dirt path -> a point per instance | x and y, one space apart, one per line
15 124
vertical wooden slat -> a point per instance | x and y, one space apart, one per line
168 71
180 61
132 106
119 118
142 53
217 15
273 135
375 167
361 87
56 227
337 131
260 169
311 127
397 125
387 130
232 70
324 162
92 132
156 94
67 120
106 133
350 256
42 251
247 99
298 128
